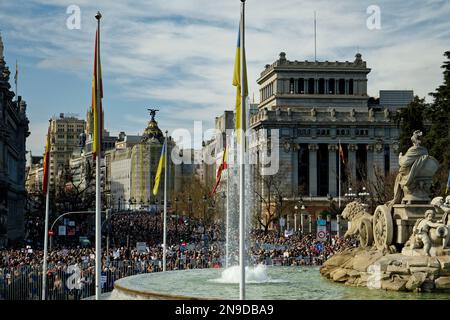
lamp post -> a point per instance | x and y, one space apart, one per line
295 218
350 195
204 208
129 204
363 194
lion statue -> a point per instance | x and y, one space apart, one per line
360 223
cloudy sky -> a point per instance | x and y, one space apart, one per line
178 55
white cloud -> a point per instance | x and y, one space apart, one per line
180 53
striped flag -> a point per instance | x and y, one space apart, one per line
448 183
46 163
223 166
97 95
162 160
238 85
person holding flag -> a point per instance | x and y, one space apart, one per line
163 164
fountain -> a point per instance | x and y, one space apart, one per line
276 282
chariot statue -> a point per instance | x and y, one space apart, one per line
410 223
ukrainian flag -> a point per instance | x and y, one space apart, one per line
162 161
237 84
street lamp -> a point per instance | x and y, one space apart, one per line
363 194
204 208
176 205
350 195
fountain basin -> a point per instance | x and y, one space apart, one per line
290 283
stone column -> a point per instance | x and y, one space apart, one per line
327 90
305 86
313 169
370 162
302 222
336 86
352 159
378 157
393 157
332 170
346 86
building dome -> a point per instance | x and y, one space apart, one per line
152 132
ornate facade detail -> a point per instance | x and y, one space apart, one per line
333 147
352 147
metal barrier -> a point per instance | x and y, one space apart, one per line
76 282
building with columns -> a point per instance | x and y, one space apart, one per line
13 134
317 106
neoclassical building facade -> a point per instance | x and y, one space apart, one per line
317 106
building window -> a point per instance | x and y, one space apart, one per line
341 86
311 86
291 85
301 86
350 86
321 86
331 85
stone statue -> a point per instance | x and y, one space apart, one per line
427 233
371 114
442 206
313 112
333 113
415 174
361 222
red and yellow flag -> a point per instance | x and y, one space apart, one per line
97 95
341 153
46 163
223 166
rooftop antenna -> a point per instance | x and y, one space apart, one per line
315 36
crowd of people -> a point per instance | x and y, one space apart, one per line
191 244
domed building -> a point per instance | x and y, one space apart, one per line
133 170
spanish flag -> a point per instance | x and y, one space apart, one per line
97 95
46 163
448 183
162 160
237 84
223 166
341 153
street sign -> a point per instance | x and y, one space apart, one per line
321 222
321 233
319 247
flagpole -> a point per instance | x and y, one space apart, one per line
44 268
165 207
339 158
242 160
227 234
98 218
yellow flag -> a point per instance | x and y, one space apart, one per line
162 160
237 84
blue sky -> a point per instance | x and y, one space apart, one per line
178 55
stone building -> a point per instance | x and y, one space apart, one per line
13 133
316 106
65 132
132 167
